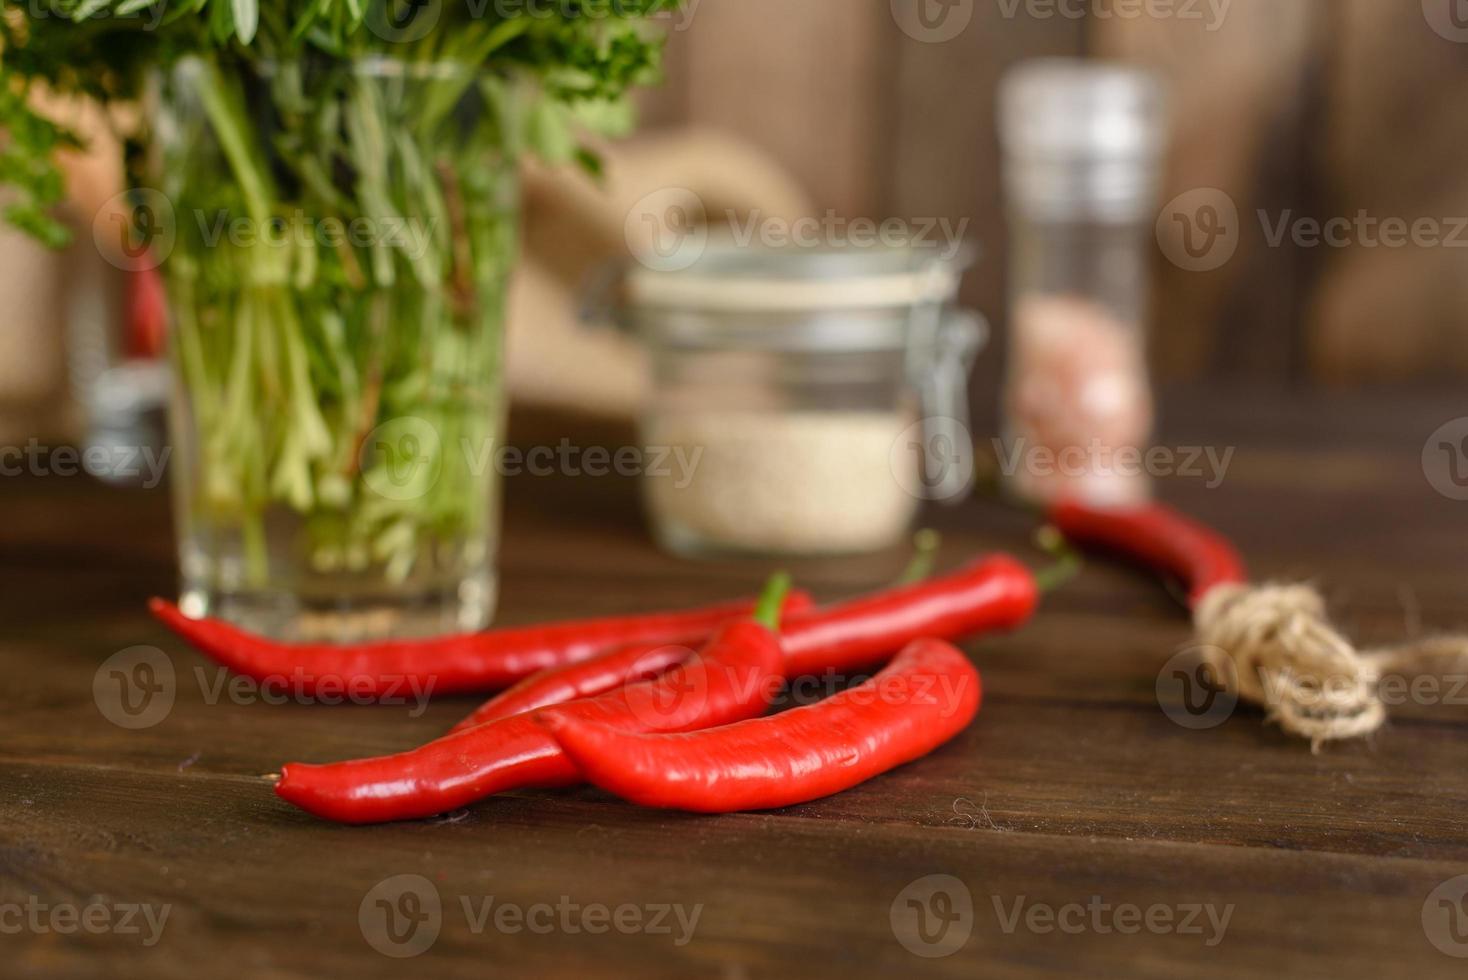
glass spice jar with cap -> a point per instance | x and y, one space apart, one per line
810 398
1082 144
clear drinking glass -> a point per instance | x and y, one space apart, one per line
336 241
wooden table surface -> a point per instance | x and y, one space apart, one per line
1075 826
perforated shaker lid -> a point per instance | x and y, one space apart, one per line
1082 139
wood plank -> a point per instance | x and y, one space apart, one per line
279 893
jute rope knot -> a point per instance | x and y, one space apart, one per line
1273 645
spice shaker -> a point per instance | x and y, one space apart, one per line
803 401
1083 144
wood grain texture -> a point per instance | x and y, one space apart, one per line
802 81
1241 80
1074 788
1389 309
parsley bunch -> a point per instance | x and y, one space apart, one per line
341 392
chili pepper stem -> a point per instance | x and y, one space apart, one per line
1068 561
925 545
772 600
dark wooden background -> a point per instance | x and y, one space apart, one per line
1313 108
1318 107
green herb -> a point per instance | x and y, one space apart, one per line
287 125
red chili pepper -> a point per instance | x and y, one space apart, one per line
518 753
147 314
994 593
470 662
1158 538
586 679
926 696
733 678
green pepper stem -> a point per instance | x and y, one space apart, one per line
1067 564
925 546
772 600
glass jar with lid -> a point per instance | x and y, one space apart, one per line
803 402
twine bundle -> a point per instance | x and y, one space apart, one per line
1277 648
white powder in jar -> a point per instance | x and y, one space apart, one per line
781 482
